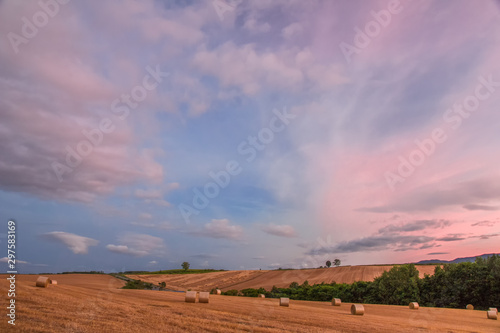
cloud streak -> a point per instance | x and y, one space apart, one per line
220 229
279 230
77 244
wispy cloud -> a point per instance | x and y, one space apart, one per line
220 229
138 245
374 243
436 253
77 244
5 259
414 226
452 238
484 224
433 196
480 207
279 230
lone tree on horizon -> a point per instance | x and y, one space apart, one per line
328 263
185 265
336 262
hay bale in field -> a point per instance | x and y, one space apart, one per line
414 305
469 307
493 309
336 302
42 282
357 309
491 315
204 295
53 282
218 292
284 301
262 296
191 296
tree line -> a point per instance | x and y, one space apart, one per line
452 286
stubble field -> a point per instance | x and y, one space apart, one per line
94 303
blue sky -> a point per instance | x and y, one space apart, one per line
361 131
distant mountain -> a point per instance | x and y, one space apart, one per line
455 261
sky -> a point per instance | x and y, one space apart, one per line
136 135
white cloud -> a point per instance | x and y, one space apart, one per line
291 31
220 229
146 216
138 245
279 230
5 259
153 262
124 249
77 244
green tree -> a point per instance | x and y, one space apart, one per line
185 265
399 286
336 262
328 264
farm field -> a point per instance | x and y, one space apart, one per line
267 279
94 303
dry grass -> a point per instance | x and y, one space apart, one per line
267 279
92 303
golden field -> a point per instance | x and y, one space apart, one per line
267 279
94 303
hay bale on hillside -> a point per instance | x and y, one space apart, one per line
357 309
469 307
284 301
42 282
262 296
493 309
491 315
414 305
53 282
336 302
218 292
191 296
204 296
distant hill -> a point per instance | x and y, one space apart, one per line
455 261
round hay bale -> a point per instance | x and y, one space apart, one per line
491 315
493 309
218 292
284 301
469 307
191 296
204 295
414 305
262 296
42 282
357 309
336 302
53 282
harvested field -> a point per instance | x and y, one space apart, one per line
267 279
92 303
